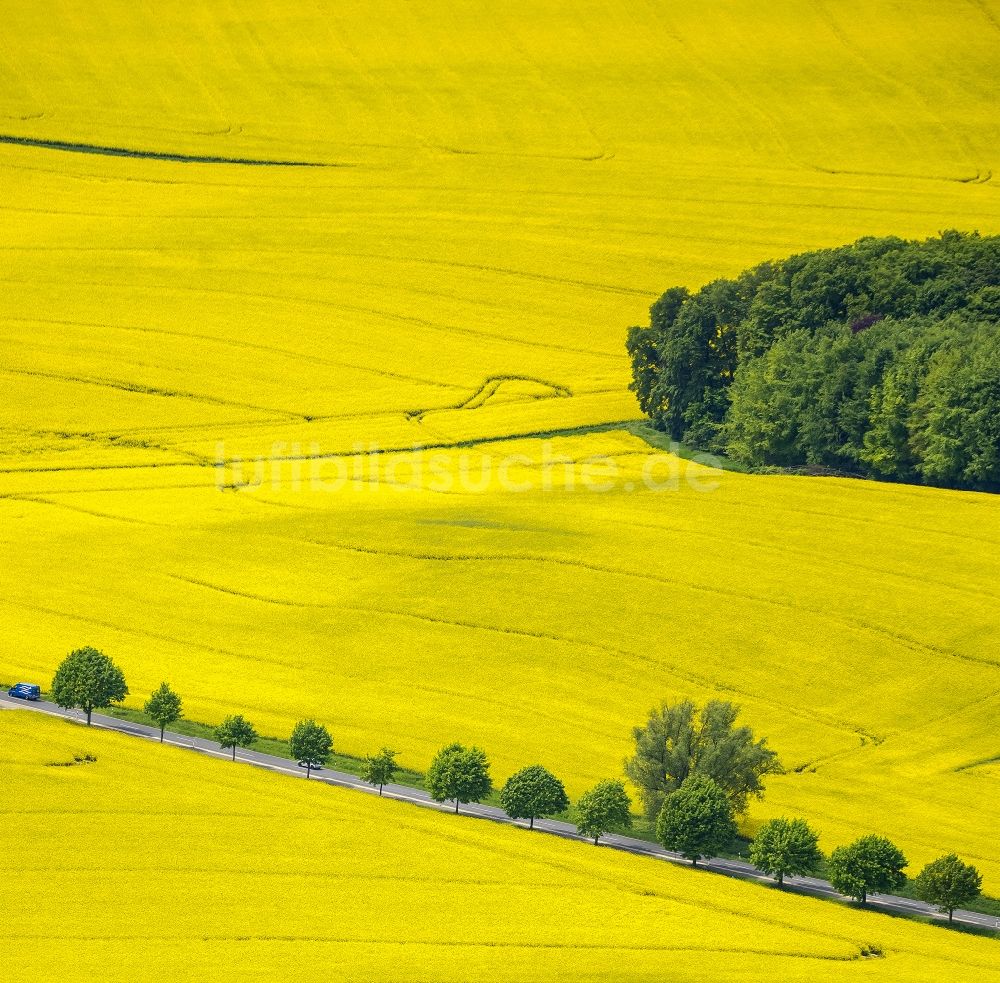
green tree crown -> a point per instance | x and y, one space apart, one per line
234 732
89 680
786 846
533 792
697 820
459 773
678 740
311 744
164 707
604 808
380 769
948 883
870 865
877 357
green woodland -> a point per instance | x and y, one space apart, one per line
880 358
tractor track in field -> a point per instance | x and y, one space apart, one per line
813 558
490 388
172 157
142 389
288 353
377 312
694 679
41 500
146 634
857 624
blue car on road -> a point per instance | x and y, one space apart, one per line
26 691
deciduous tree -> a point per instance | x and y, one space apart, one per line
380 769
311 745
88 679
948 883
164 707
533 792
871 865
878 357
459 773
605 808
697 819
786 846
678 740
234 732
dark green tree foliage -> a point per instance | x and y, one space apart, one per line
311 744
89 680
678 740
914 400
683 363
697 820
948 883
603 809
955 428
533 792
879 358
380 769
871 865
786 846
235 732
459 773
164 707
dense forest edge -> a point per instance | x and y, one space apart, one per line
879 359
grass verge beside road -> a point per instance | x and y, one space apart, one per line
641 828
268 745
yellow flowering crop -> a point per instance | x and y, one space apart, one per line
514 184
151 863
854 622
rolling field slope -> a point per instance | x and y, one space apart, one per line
262 877
492 196
542 623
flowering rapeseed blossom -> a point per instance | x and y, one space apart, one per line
151 862
199 360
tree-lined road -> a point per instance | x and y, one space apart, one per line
732 868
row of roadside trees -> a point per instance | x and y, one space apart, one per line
698 820
462 775
88 680
695 771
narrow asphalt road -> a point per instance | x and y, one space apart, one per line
732 868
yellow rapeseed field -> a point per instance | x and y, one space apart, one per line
153 864
855 623
501 190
